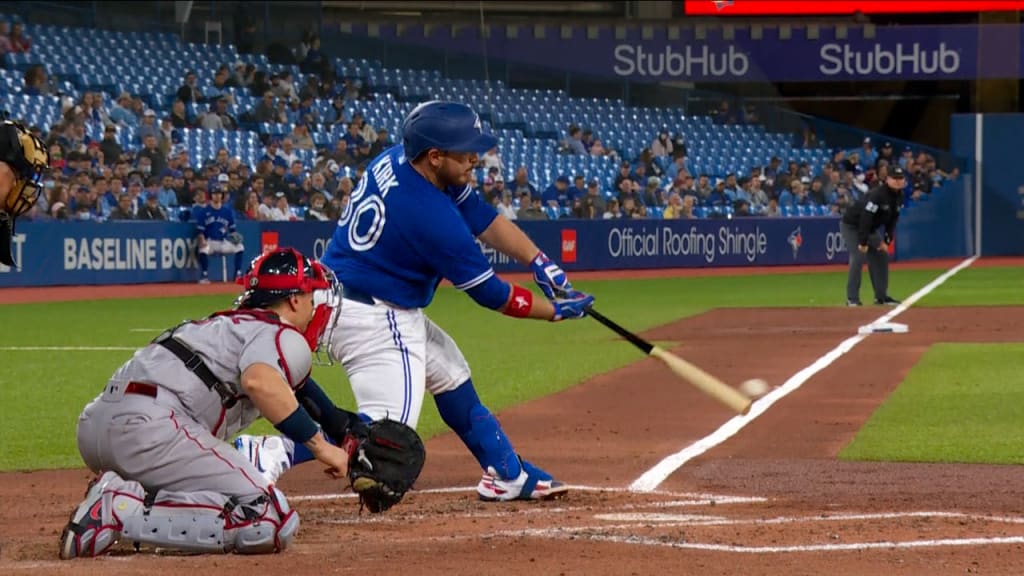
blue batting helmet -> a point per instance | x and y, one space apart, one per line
447 126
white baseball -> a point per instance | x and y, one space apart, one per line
754 388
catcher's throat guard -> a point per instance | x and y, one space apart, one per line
386 461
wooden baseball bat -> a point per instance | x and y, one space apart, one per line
705 382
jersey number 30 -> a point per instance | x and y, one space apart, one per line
365 217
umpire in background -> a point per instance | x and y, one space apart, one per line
879 208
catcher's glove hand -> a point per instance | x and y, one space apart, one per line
387 458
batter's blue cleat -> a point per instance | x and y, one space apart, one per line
268 455
532 484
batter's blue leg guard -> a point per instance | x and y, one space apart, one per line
479 430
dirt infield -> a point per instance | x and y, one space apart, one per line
773 499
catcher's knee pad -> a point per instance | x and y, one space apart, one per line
263 525
273 531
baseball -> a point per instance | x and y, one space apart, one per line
754 388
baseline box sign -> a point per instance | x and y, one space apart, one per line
115 253
905 53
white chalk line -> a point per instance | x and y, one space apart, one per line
652 478
696 498
853 546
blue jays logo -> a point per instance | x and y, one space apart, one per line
795 241
477 124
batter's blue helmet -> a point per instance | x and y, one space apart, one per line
447 126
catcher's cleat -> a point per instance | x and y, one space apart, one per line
267 453
86 534
532 484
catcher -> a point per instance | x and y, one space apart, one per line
156 434
23 160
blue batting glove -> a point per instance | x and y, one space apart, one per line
572 307
550 277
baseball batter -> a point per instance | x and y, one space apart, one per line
156 433
23 161
412 221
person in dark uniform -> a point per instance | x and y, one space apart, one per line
860 226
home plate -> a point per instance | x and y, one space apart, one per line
889 327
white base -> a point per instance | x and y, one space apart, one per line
884 327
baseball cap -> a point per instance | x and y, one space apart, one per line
897 172
278 161
653 181
563 179
223 178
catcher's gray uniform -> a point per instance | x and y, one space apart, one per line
159 434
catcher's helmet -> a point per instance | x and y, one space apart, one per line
283 272
278 274
447 126
28 159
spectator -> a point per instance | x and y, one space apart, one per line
188 91
157 162
211 120
287 152
37 83
228 121
661 147
627 190
772 210
868 155
622 175
530 207
583 208
366 132
505 206
490 159
281 212
633 209
300 136
674 210
58 203
308 113
251 209
266 209
124 210
575 142
886 155
613 211
758 197
121 112
178 117
265 112
5 41
579 189
20 43
382 143
151 209
166 194
522 184
677 167
557 195
596 198
653 194
718 199
317 208
110 148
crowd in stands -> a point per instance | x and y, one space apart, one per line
95 177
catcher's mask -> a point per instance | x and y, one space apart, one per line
283 272
28 159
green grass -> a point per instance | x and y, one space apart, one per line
42 392
980 286
960 403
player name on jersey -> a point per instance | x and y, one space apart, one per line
129 253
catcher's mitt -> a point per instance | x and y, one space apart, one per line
386 461
234 238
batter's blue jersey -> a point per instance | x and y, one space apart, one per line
215 224
400 236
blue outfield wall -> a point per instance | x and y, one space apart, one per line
138 252
86 253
